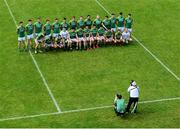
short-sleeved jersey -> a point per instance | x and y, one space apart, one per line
94 32
72 34
38 27
108 34
79 33
107 23
88 22
118 35
101 31
97 23
47 29
72 24
29 29
65 25
86 32
56 27
21 31
128 22
120 21
113 22
80 24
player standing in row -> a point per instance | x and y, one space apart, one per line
21 36
128 24
38 27
29 32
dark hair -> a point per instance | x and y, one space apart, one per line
129 14
39 18
119 96
56 18
121 13
64 18
131 82
112 14
20 22
88 15
29 20
106 16
73 16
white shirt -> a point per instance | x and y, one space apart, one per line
134 91
64 34
125 35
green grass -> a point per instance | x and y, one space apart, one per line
89 79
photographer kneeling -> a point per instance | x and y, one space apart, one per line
119 105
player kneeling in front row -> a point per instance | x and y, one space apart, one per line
94 37
109 37
125 38
72 38
39 42
21 36
119 105
49 42
100 35
117 37
58 42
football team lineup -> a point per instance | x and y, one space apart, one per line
58 106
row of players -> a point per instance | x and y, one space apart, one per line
79 32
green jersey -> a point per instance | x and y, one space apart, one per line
40 36
113 22
101 31
73 24
94 32
21 31
38 27
107 23
88 22
118 35
47 29
65 25
120 105
72 34
97 23
120 21
29 29
86 32
128 22
79 33
56 27
80 23
108 34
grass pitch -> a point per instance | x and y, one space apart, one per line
89 79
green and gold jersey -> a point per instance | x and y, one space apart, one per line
120 21
29 29
88 22
97 23
128 22
38 27
21 31
80 23
86 32
72 24
94 32
56 27
118 35
101 31
79 33
107 23
47 29
108 34
113 22
65 25
72 34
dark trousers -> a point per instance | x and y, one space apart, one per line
133 101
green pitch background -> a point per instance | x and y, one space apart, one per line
89 79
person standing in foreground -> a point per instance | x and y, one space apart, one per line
134 96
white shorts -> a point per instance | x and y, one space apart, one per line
129 30
121 29
87 38
38 41
20 39
47 36
73 40
110 39
31 36
113 29
101 37
55 35
48 45
81 39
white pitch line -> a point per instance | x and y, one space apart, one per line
36 65
145 48
82 110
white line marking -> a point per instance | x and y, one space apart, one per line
82 110
158 60
35 63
